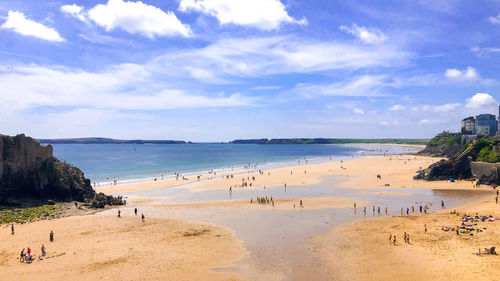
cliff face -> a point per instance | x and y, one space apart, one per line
28 170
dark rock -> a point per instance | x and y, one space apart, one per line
444 144
28 170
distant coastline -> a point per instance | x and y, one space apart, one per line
92 140
106 141
330 141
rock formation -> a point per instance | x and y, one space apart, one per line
28 170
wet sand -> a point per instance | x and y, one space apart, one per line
111 248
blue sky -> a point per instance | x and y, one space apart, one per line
217 70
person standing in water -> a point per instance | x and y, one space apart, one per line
135 211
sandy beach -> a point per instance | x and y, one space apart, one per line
103 246
361 250
111 248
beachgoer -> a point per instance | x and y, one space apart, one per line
390 237
12 229
442 203
21 256
301 205
420 208
135 211
386 210
408 238
425 228
378 210
143 217
354 205
394 239
44 252
119 213
407 211
51 236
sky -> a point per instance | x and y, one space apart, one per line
218 70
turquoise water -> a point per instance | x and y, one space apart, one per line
127 162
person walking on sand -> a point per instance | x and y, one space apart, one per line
143 217
51 236
496 202
364 210
135 211
21 256
12 229
386 210
119 213
425 228
301 205
354 205
44 252
394 239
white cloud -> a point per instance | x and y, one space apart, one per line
362 33
481 100
358 111
74 11
397 107
17 22
427 122
437 108
261 56
467 74
362 86
138 18
261 14
121 87
495 20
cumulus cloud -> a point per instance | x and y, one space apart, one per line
495 20
481 100
372 36
470 73
17 22
261 14
397 107
138 18
74 11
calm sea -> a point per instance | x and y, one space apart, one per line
127 162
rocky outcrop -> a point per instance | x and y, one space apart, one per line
29 170
444 144
446 169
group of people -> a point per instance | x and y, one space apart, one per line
373 209
26 255
263 200
143 218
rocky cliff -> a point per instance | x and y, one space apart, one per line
444 144
28 170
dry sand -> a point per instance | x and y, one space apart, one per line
111 248
361 250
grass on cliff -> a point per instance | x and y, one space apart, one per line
24 215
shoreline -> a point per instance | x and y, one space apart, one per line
241 168
358 173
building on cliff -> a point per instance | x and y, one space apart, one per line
468 126
486 125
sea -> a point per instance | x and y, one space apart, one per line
126 163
